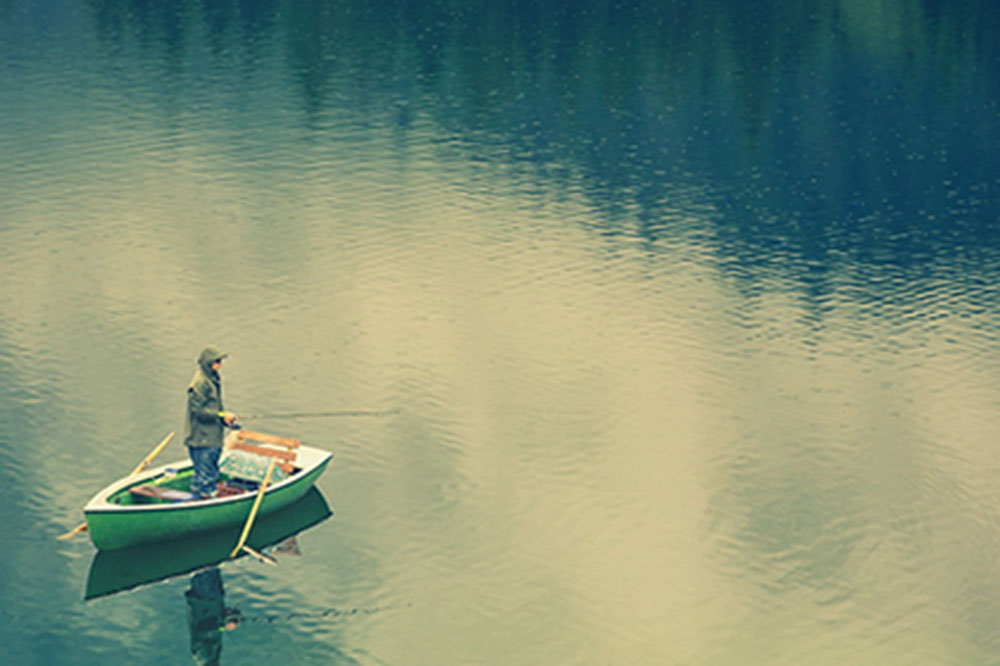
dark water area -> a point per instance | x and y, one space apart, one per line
685 315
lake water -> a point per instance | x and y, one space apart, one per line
688 310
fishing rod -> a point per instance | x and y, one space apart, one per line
320 415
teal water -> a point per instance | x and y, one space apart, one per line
689 311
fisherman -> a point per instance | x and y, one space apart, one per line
206 421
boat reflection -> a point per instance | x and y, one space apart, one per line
118 570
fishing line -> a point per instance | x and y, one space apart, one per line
329 613
321 415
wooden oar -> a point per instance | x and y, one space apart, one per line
253 510
155 452
266 559
82 527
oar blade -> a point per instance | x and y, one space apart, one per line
263 557
82 527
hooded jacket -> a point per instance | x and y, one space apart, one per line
204 425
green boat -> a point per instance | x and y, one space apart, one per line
155 506
113 571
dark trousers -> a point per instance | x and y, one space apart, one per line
206 468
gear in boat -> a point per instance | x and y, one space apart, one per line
241 469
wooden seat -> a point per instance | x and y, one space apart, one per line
159 492
262 444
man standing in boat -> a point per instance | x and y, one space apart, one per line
206 421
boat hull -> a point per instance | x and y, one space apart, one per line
113 526
113 571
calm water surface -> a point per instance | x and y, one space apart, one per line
689 310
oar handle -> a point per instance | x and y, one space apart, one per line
155 452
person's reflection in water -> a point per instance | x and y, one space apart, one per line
208 616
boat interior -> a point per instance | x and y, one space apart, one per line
173 485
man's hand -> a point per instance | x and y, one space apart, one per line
229 418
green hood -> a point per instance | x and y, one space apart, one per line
209 356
